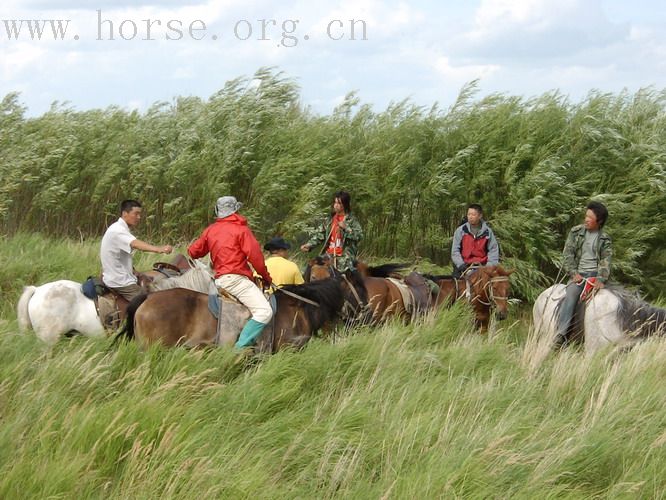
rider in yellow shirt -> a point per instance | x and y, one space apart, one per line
282 270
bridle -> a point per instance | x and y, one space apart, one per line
490 294
358 309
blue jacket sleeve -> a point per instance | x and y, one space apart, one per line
456 256
493 249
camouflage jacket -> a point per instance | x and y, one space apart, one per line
351 236
573 249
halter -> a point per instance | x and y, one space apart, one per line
488 288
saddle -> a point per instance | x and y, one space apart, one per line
111 307
405 293
422 292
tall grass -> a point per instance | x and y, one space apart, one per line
428 410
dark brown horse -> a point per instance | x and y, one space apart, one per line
181 317
487 288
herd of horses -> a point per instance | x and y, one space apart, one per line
176 311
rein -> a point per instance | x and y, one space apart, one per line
296 296
353 290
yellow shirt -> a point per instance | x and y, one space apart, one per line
283 271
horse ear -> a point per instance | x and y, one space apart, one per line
312 262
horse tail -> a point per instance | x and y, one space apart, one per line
127 333
22 308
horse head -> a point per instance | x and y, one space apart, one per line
319 268
491 287
356 296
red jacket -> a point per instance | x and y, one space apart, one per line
231 245
474 250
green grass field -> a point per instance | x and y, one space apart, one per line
432 410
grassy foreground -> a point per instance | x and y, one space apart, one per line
425 411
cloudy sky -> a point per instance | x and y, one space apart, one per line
134 53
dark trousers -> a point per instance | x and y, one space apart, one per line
568 307
128 292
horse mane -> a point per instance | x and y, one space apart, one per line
387 270
197 280
327 293
356 280
637 316
321 260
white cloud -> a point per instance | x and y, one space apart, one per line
20 59
539 28
463 73
422 49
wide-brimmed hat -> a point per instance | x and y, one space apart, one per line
276 244
226 205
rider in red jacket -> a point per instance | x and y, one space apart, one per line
232 245
474 243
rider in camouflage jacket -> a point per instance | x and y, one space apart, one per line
573 249
351 236
350 230
586 259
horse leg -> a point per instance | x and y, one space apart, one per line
482 318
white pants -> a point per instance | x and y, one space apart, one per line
249 295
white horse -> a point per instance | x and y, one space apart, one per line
612 316
57 308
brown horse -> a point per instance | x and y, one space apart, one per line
487 288
389 294
181 317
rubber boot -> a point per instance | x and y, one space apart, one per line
249 333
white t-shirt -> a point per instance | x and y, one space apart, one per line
116 255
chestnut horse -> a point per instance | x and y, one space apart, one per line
389 295
485 289
181 317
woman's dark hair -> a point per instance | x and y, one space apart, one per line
345 199
600 211
128 205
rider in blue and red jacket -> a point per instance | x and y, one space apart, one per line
474 243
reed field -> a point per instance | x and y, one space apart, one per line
533 163
428 410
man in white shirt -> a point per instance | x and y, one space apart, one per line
118 246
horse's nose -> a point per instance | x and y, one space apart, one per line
501 315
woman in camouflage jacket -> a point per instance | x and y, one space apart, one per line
340 234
